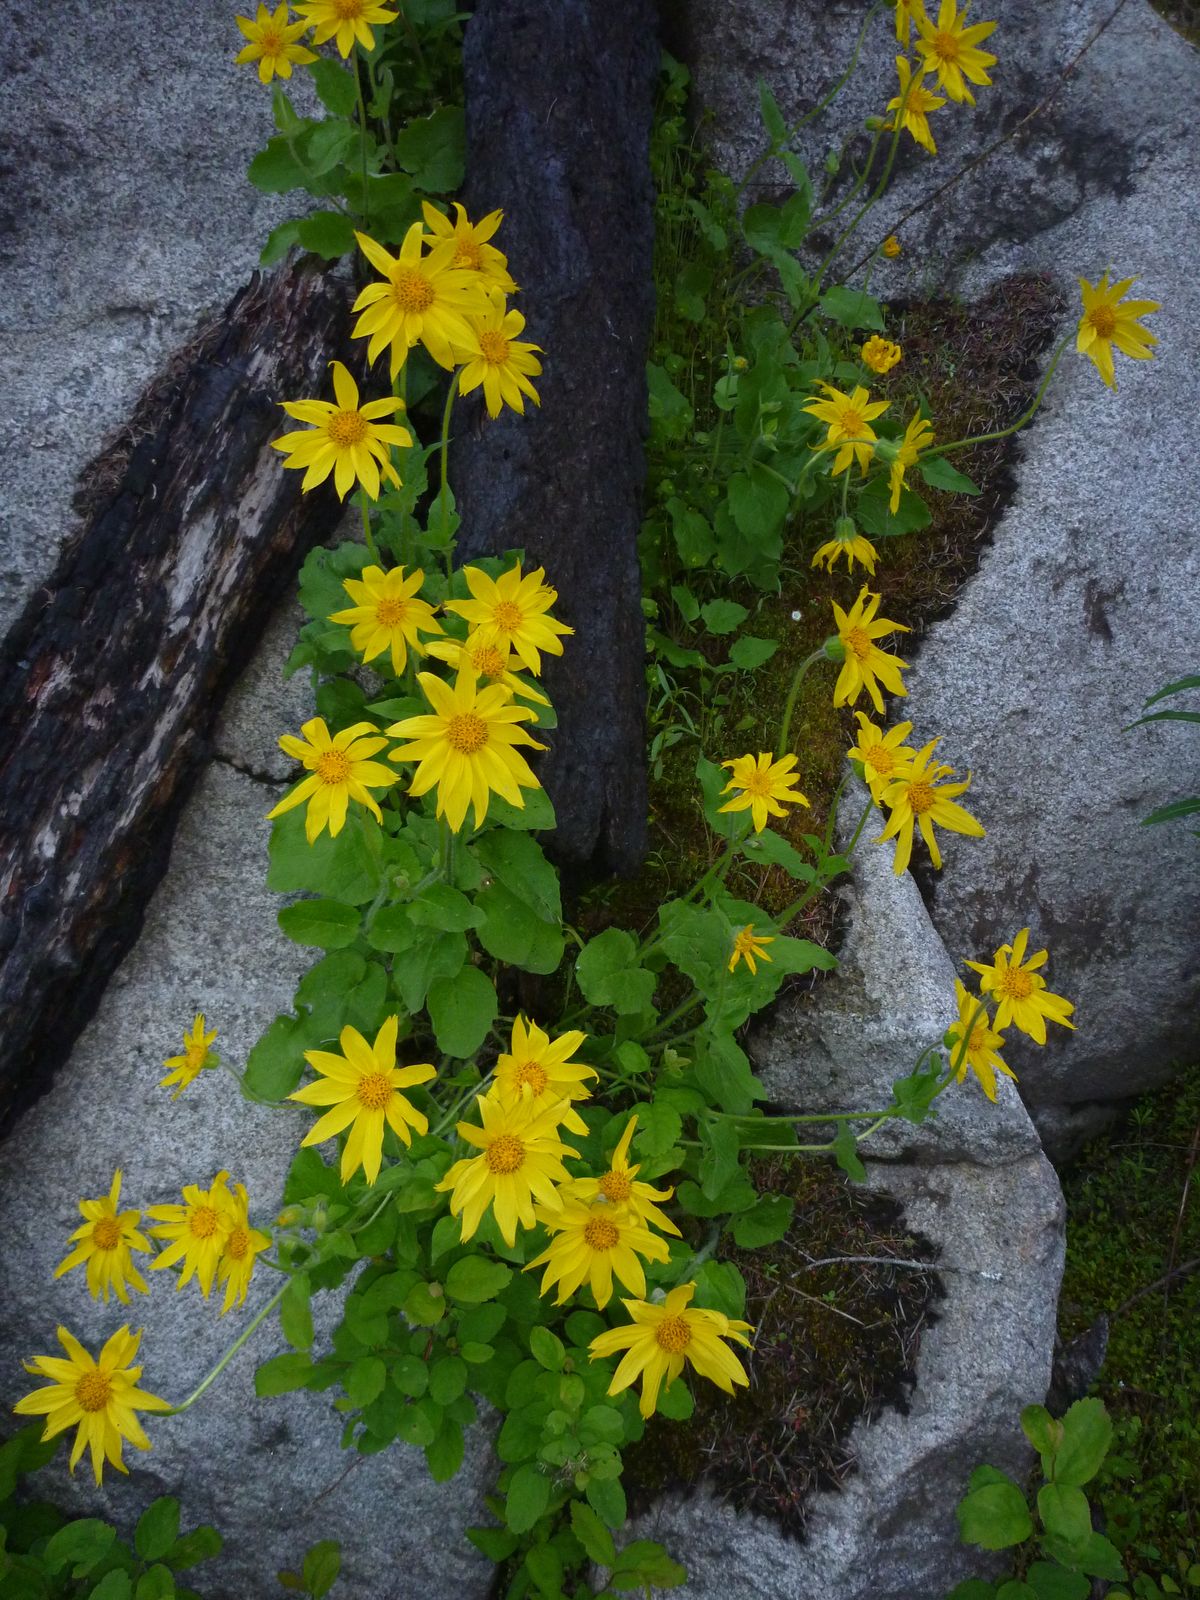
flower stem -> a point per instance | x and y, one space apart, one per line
793 693
445 491
360 62
366 522
1003 433
230 1353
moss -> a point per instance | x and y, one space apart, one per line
1183 15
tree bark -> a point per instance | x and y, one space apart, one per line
111 681
560 101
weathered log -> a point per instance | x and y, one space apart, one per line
111 680
560 100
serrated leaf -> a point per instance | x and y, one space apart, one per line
327 924
852 308
939 474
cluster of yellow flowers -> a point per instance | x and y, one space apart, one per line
948 50
274 39
1022 1001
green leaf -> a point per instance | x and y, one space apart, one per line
939 474
644 1564
475 1279
444 1454
748 652
547 1349
845 1153
528 1497
200 1544
1065 1513
279 241
335 87
1052 1582
692 284
878 519
723 616
497 1544
434 150
276 170
439 955
1101 1559
972 1589
853 308
328 234
994 1516
79 1545
608 973
764 1223
668 407
325 923
758 503
514 933
447 1379
342 868
693 534
518 862
462 1010
773 120
1015 1590
365 1380
295 1313
117 1585
773 850
322 1564
1177 808
1087 1434
442 907
157 1529
282 1374
659 1125
606 1496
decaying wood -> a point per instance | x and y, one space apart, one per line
111 680
560 98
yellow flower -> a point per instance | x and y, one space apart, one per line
100 1394
1105 322
273 43
339 771
620 1189
882 756
486 658
881 355
865 662
362 1088
951 50
387 615
1024 1000
197 1231
196 1056
515 611
766 787
891 247
917 102
106 1242
541 1074
750 947
236 1265
520 1160
466 746
907 11
502 363
848 417
471 247
590 1244
345 439
424 299
917 798
848 542
982 1041
662 1338
918 436
344 21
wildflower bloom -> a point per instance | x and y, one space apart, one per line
591 1244
344 21
471 247
273 43
663 1338
619 1188
1106 322
424 299
340 770
97 1393
236 1266
906 12
881 355
1023 1000
346 439
520 1160
848 542
913 105
917 798
882 756
750 947
891 247
503 363
918 436
387 615
197 1055
848 417
539 1073
362 1089
515 611
951 50
197 1232
763 786
466 747
106 1242
866 666
978 1054
486 658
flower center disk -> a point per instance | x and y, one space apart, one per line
203 1222
374 1090
333 766
487 661
945 46
347 428
921 797
467 733
106 1235
532 1076
859 641
1104 320
507 615
673 1335
92 1391
616 1186
239 1243
411 291
1016 984
468 254
495 349
505 1153
391 613
601 1234
881 758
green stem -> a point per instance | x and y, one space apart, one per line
1004 433
862 822
372 551
229 1354
793 694
359 62
445 492
795 1116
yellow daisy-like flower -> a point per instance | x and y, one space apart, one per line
1106 322
917 798
471 247
849 418
273 43
620 1189
848 542
539 1073
1023 999
951 50
907 11
866 666
486 658
979 1054
197 1055
97 1393
340 770
362 1088
346 439
520 1160
387 615
763 786
591 1244
918 436
917 102
197 1232
750 947
891 247
881 355
344 21
236 1266
106 1242
466 747
515 612
882 756
662 1339
424 299
503 363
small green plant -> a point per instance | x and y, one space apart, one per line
1174 808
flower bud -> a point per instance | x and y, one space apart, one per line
288 1217
875 124
844 529
740 364
834 649
887 450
